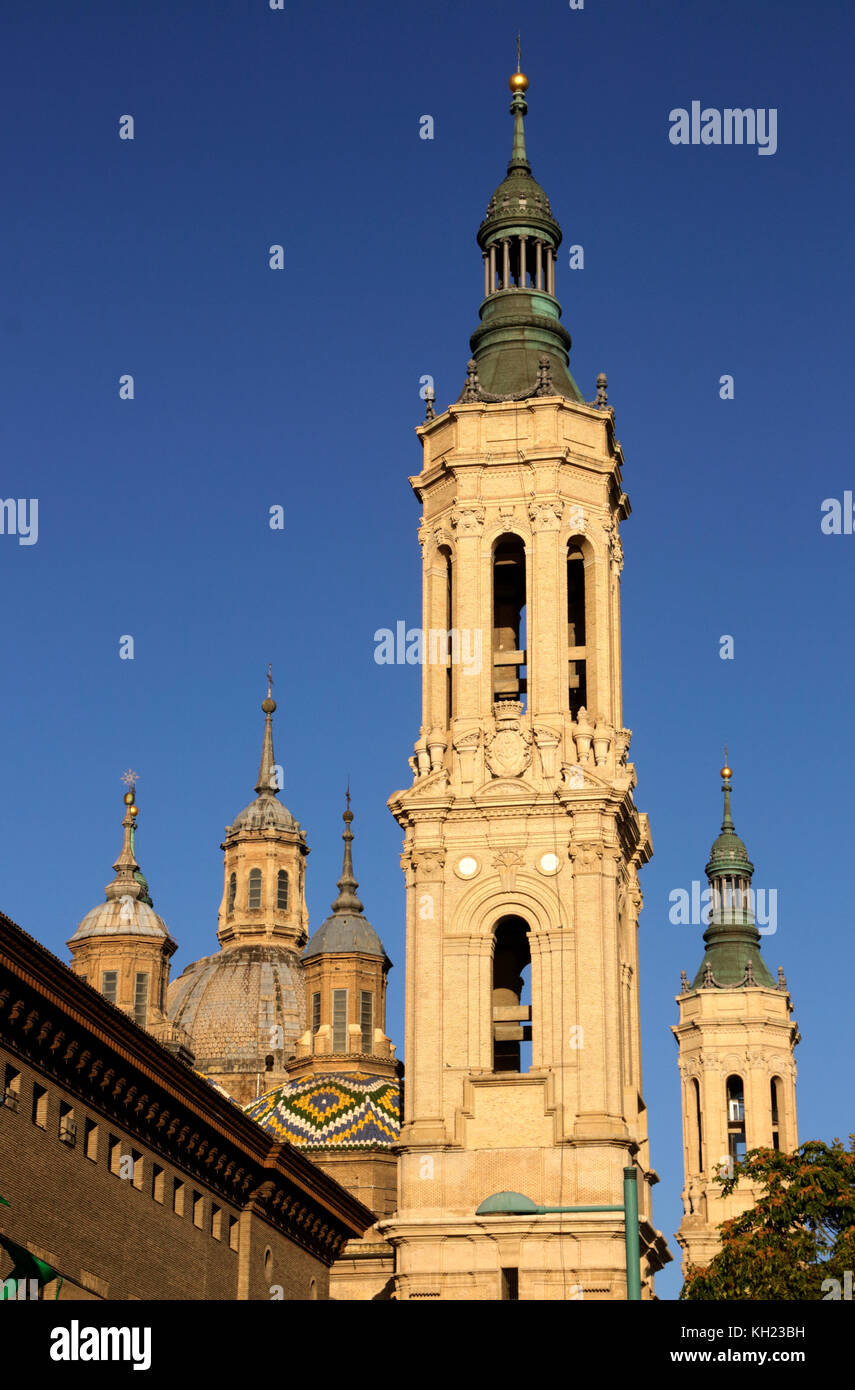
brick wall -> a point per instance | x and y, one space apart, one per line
109 1234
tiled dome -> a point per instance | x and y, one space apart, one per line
333 1111
124 916
264 813
232 1004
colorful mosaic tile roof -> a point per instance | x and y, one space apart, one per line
342 1112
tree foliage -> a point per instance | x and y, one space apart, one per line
800 1231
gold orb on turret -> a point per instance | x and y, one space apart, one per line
726 772
518 82
128 798
133 810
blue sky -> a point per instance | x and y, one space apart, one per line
300 388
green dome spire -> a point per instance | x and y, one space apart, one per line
521 349
732 940
519 109
728 854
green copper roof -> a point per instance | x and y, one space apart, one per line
728 854
519 203
521 348
732 956
506 1204
145 895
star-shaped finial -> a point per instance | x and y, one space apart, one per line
130 778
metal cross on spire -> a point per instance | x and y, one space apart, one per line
269 678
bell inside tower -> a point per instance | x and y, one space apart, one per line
576 653
509 605
511 1017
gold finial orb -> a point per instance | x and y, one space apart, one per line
128 798
518 82
133 810
726 772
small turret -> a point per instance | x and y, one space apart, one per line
346 968
732 940
123 948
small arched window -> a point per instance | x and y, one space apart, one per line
775 1098
282 890
254 897
448 603
366 1020
699 1128
268 1062
735 1118
232 892
577 680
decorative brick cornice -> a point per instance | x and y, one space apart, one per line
67 1031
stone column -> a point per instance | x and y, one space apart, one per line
468 523
424 985
595 915
522 261
486 260
506 263
538 271
544 578
434 596
493 268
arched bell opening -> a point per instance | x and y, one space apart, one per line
577 652
776 1101
509 619
735 1118
511 998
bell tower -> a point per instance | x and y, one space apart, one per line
522 841
264 898
736 1038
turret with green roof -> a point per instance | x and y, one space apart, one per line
732 957
521 349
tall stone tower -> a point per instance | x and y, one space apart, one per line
736 1037
522 841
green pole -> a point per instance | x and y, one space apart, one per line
633 1255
